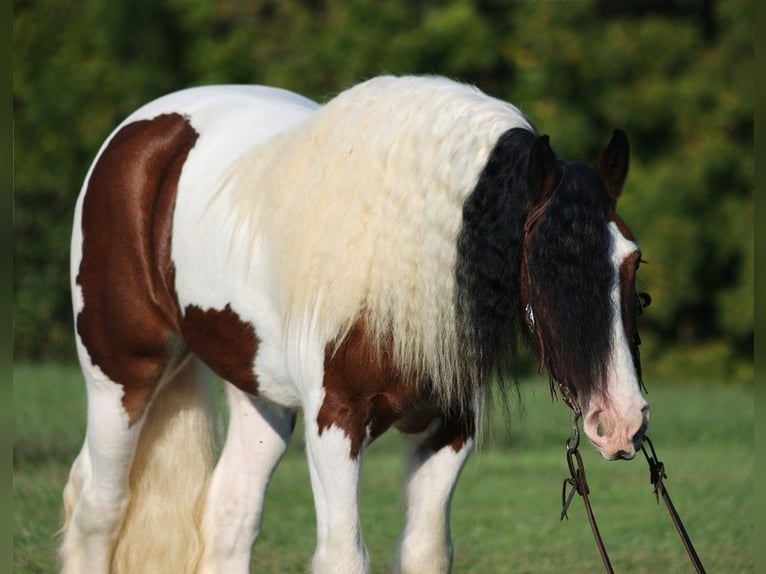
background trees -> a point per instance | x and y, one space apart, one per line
675 75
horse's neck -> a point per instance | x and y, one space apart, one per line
361 205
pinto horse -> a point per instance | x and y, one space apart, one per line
372 261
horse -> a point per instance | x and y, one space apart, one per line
374 262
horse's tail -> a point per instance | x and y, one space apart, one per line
168 479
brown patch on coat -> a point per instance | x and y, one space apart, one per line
126 273
225 342
630 306
454 430
366 394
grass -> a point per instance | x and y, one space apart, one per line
505 511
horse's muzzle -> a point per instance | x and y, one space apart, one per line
637 440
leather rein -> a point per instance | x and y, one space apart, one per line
578 484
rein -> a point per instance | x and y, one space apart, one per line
579 485
657 476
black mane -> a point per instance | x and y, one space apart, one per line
488 261
568 263
571 274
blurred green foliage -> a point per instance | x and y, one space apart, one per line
676 75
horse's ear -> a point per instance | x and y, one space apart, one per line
543 175
612 166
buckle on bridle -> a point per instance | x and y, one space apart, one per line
570 399
530 315
576 478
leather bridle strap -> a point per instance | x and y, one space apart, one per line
657 476
577 481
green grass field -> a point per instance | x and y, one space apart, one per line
505 511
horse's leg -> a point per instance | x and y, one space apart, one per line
96 495
78 473
335 481
434 465
256 439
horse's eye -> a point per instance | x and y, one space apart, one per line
644 300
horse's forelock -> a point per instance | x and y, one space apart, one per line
571 275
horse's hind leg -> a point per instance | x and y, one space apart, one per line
78 473
256 439
435 462
96 495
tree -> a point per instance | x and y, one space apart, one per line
676 76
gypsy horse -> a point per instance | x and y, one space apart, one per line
373 261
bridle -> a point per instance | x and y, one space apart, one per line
533 218
577 482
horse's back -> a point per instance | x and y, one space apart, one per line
225 121
242 99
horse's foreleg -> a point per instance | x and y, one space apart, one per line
256 439
434 466
96 494
335 482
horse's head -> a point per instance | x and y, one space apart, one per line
578 292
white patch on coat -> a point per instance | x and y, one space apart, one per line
623 413
335 483
425 546
257 437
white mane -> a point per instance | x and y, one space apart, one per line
361 206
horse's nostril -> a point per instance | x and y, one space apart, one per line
638 438
646 411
